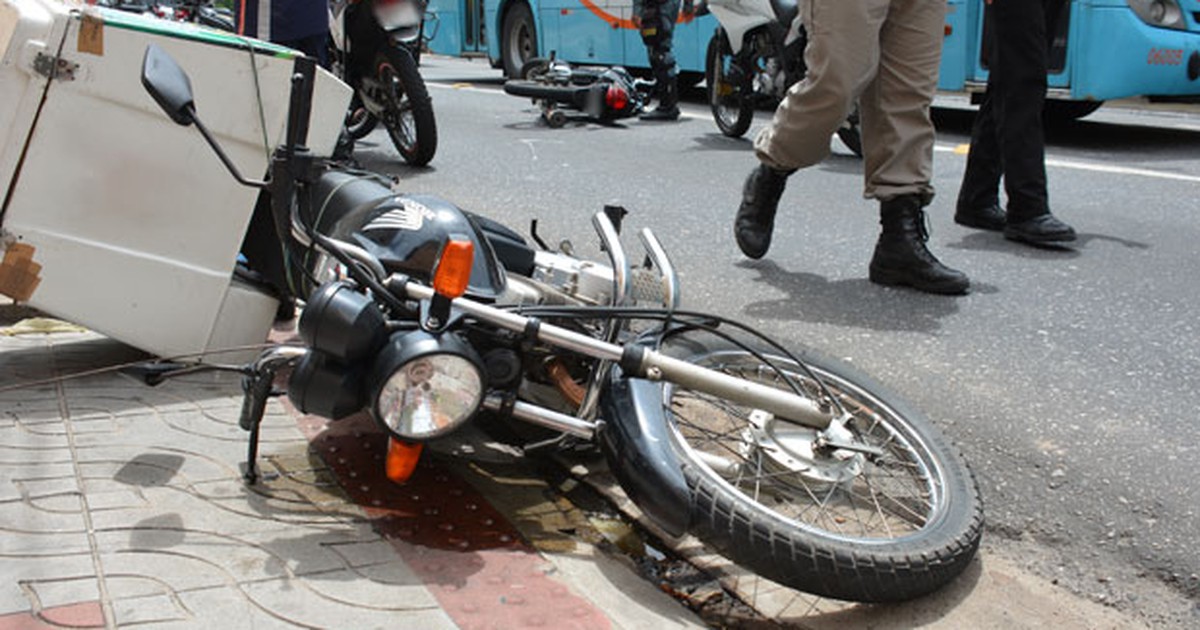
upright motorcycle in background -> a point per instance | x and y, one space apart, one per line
431 319
754 56
376 50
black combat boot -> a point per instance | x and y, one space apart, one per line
901 257
668 104
756 216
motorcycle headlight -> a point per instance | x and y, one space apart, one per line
425 386
1161 13
321 386
342 322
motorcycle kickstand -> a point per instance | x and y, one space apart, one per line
155 373
257 387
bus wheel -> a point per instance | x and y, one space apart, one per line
1059 112
519 43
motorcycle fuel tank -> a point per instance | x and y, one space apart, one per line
406 232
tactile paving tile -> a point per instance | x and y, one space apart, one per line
466 552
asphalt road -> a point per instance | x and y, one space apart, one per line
1070 377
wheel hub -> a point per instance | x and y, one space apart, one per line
788 447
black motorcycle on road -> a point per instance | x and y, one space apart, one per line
430 319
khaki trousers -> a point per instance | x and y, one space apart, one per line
886 54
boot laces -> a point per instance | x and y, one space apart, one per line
922 226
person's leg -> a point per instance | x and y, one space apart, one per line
898 137
662 64
897 130
978 204
1020 67
841 56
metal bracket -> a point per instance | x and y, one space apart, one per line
53 67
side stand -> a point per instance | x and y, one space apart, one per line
256 387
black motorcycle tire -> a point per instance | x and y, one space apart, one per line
732 112
803 554
408 117
533 69
518 39
539 91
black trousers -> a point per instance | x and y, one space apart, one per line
1007 139
658 28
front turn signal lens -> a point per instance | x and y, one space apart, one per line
454 268
402 458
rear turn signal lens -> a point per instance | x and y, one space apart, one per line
454 268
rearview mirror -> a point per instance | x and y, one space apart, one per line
168 84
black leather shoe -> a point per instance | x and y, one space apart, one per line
756 216
1045 228
988 218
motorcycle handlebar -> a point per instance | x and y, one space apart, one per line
640 361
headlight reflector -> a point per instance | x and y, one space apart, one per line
426 385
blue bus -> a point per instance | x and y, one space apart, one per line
1103 50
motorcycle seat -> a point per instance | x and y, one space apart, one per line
785 11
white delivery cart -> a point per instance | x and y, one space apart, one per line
113 216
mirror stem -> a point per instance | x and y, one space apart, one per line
212 142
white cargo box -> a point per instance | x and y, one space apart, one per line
113 216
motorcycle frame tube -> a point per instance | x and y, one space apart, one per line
650 364
638 447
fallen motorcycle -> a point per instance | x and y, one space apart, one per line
597 93
430 318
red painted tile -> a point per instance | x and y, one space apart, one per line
80 615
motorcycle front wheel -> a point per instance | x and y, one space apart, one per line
408 111
731 108
890 522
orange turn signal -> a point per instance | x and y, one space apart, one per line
402 458
454 268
